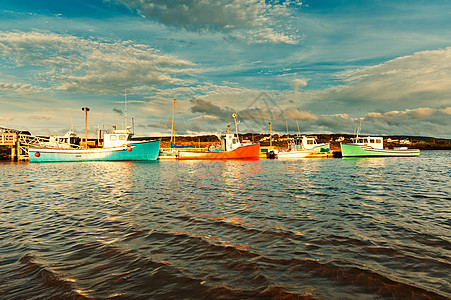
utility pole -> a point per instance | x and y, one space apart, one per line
86 109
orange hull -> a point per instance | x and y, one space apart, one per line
243 152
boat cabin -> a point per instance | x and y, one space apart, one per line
303 143
69 140
230 142
374 142
115 138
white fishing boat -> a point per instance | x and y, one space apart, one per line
304 146
69 140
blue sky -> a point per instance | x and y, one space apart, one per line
319 65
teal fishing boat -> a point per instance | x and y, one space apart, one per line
117 147
373 147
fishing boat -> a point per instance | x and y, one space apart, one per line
373 147
117 146
231 148
66 141
304 146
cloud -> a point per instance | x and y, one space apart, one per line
298 83
21 88
408 81
446 110
297 114
412 114
208 108
118 111
256 21
419 121
36 117
6 119
77 64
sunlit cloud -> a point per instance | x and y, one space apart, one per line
407 81
297 114
20 88
6 119
41 118
75 64
446 110
298 83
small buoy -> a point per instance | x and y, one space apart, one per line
129 148
37 154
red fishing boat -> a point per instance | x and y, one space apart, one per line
231 148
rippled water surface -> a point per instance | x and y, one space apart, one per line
309 229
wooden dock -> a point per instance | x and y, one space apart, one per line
11 147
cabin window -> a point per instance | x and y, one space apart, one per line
379 141
113 137
372 141
122 137
309 142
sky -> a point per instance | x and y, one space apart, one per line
309 67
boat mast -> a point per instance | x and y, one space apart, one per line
172 127
359 128
125 114
236 124
299 131
270 135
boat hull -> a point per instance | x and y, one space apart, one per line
148 150
352 150
323 148
243 152
294 154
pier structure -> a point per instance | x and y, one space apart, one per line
10 146
14 144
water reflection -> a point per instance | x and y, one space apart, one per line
227 229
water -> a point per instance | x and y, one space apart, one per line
306 229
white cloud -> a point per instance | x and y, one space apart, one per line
413 114
21 88
6 119
76 64
409 81
298 83
255 21
419 121
43 118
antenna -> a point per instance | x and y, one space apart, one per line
299 131
172 127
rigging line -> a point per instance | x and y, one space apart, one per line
187 127
167 120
